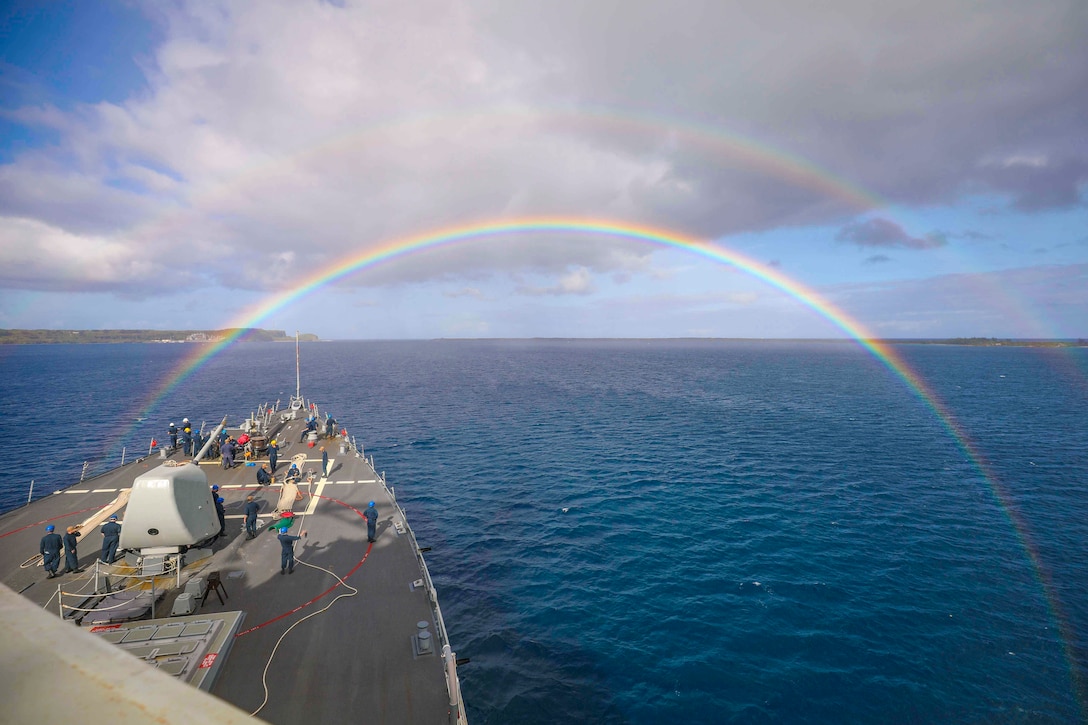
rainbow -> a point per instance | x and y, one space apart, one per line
727 146
660 238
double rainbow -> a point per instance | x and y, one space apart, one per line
661 238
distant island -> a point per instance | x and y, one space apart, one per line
992 342
254 334
251 334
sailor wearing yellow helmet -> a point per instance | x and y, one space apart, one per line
273 454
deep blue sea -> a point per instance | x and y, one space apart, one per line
677 531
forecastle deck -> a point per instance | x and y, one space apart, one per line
342 639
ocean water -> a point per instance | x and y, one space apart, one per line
677 531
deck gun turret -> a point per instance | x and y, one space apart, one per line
170 509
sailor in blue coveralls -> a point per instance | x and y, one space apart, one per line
273 454
173 430
111 536
227 451
251 517
324 463
287 555
71 557
222 514
50 551
371 514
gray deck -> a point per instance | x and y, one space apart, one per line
357 661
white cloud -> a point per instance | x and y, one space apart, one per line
275 138
51 258
577 281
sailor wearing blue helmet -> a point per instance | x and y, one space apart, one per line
50 551
287 550
221 514
111 536
371 515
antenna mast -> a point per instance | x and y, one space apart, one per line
297 403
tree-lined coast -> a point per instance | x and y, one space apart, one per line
40 337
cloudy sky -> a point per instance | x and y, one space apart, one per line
921 165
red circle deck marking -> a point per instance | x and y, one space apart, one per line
327 591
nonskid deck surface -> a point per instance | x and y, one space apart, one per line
357 660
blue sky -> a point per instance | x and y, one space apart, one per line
919 165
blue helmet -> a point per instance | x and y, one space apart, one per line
283 530
50 527
215 488
370 505
220 499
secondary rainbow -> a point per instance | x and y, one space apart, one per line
451 236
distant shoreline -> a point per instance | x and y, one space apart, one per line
84 337
48 337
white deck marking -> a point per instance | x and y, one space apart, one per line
104 490
315 498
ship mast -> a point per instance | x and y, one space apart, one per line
297 403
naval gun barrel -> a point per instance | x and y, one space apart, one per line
211 439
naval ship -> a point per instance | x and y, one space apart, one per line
189 624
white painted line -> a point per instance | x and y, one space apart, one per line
315 498
104 490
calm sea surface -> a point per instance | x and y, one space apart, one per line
676 532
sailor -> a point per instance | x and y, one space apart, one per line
228 454
287 553
324 463
251 517
293 474
371 514
187 439
173 436
111 535
264 477
330 425
50 551
222 514
71 558
273 454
